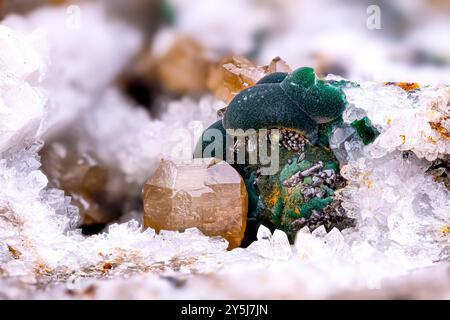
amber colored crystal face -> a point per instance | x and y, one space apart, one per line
81 177
204 193
236 73
184 68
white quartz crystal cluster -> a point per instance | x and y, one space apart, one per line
127 138
399 207
410 121
81 48
43 84
22 99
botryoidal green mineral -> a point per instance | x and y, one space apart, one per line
302 192
297 101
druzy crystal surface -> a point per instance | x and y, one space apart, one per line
206 193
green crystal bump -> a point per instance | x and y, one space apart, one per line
276 77
267 106
297 101
320 100
294 167
301 78
365 130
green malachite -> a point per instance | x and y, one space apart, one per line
314 204
297 101
365 130
304 104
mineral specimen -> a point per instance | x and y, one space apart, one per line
365 130
300 102
301 193
208 194
308 112
184 68
82 178
76 76
21 69
234 74
396 193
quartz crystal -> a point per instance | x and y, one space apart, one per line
410 121
271 246
206 193
76 77
22 100
345 143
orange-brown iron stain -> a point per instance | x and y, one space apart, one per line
407 86
274 196
403 137
445 230
440 128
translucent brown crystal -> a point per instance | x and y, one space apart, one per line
81 177
184 68
207 194
236 73
181 70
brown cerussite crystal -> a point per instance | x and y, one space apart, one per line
236 73
81 177
184 68
207 194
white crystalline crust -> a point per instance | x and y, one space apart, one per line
84 54
409 121
127 138
400 211
22 101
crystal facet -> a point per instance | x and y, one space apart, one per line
184 68
236 73
205 193
82 178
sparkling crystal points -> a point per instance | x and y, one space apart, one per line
345 143
274 246
205 193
